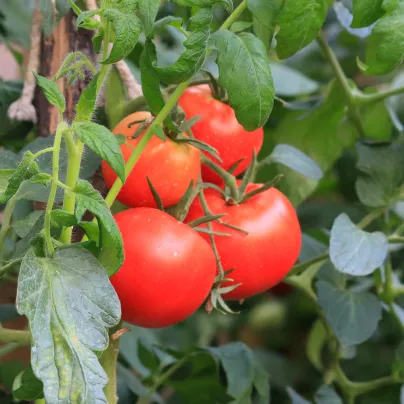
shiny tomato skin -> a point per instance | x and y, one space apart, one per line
262 258
168 269
220 129
170 167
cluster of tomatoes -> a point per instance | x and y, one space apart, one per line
169 267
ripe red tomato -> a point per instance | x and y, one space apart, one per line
262 258
220 129
170 167
168 269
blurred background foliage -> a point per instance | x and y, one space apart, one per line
276 325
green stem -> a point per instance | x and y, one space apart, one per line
55 178
234 15
17 336
5 227
228 178
369 218
171 102
43 151
105 67
75 152
10 347
161 380
108 362
379 96
298 268
343 81
8 266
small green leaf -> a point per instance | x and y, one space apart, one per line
168 20
127 29
112 255
86 104
48 16
99 139
299 22
12 179
241 370
84 20
296 160
245 73
327 395
240 26
60 218
24 226
148 10
366 12
27 387
382 173
194 56
295 397
97 39
70 304
385 46
148 358
51 92
264 14
354 251
41 178
227 4
353 316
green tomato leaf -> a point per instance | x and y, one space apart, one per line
148 10
147 357
382 173
353 316
354 251
27 387
240 26
168 20
296 160
242 371
8 159
127 29
295 397
41 178
327 395
60 218
245 73
366 12
111 255
85 21
99 139
86 104
264 14
227 4
97 40
315 344
290 82
299 22
70 304
385 46
194 56
51 92
24 226
10 180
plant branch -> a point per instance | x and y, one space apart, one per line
15 336
343 81
364 99
5 226
55 179
108 362
234 15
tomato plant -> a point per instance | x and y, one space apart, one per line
272 225
219 127
168 169
168 269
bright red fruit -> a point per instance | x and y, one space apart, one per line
262 258
170 167
220 129
168 269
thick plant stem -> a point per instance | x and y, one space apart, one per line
343 81
108 362
55 179
117 186
15 336
8 212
